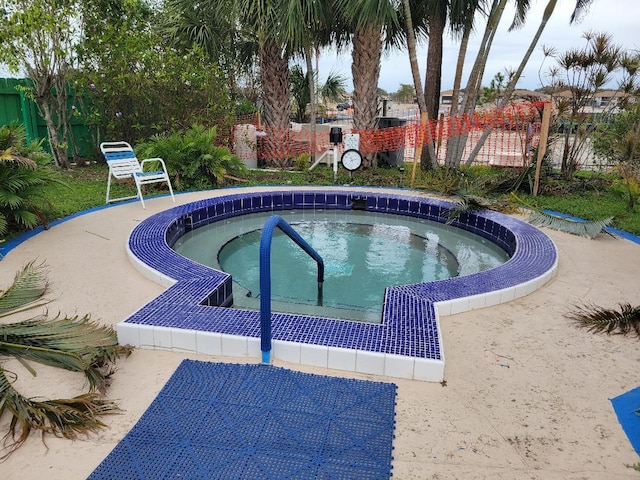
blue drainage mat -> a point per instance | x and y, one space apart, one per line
626 407
228 421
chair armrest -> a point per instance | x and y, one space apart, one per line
156 159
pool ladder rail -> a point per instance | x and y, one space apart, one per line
265 276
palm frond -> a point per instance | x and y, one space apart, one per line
610 321
29 285
72 343
65 418
11 155
467 203
585 229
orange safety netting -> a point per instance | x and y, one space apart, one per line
515 132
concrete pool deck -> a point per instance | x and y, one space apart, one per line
526 395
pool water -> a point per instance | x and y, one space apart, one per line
363 254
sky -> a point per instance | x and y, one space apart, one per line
620 18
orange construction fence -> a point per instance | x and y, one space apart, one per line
515 132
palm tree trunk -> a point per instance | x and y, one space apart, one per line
452 145
274 72
308 53
462 53
365 69
548 11
417 83
433 77
456 144
413 57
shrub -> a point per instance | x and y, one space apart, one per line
24 171
193 160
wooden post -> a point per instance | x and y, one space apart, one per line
440 127
424 118
542 144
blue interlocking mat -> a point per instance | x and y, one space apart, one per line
626 407
228 421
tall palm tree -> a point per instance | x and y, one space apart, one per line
307 28
368 23
72 343
427 153
458 15
456 144
506 96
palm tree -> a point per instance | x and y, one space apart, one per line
306 28
214 27
455 147
368 24
435 15
220 25
333 89
506 97
24 170
72 343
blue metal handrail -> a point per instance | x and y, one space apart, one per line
265 276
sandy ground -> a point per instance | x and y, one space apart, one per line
526 395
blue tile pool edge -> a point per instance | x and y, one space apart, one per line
407 344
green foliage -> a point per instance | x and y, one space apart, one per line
634 466
192 158
591 205
333 89
24 171
444 180
302 162
619 139
132 85
628 186
580 74
38 37
466 204
405 93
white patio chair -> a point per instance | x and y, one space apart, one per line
124 164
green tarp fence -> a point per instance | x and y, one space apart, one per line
16 106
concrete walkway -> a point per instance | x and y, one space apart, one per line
526 394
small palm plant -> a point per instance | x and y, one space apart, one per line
73 343
24 170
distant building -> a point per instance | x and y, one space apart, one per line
605 101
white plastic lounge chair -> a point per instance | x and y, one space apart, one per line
123 164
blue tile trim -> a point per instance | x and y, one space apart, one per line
409 322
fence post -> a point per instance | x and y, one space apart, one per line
542 144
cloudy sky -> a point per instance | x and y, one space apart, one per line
620 18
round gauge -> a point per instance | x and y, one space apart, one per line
351 159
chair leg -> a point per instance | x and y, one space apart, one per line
138 186
171 190
108 187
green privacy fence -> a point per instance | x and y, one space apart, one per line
16 106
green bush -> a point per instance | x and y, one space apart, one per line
193 160
24 171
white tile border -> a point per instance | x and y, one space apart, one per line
212 343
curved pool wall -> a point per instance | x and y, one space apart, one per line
191 315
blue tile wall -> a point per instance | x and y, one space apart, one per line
409 325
